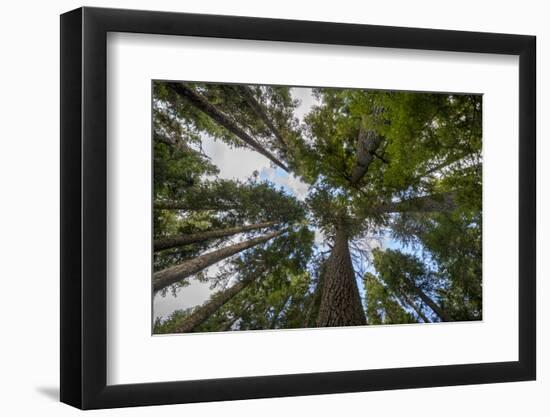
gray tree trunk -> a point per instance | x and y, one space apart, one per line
173 274
202 313
260 112
167 243
213 112
429 302
411 304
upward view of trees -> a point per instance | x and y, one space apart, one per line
394 198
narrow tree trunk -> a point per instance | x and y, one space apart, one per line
213 112
367 144
429 302
169 276
437 202
340 301
167 243
260 112
411 304
315 301
202 313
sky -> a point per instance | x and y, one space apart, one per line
239 164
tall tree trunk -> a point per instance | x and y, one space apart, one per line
169 276
402 296
340 301
167 243
202 313
213 112
315 301
260 112
429 302
367 144
436 202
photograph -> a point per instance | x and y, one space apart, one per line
281 207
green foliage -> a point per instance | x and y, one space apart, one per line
430 146
382 306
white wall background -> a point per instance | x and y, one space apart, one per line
29 225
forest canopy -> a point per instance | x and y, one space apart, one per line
364 209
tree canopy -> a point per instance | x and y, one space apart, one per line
389 231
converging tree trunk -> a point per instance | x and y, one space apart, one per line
340 301
213 112
173 274
428 301
405 299
260 112
167 243
202 313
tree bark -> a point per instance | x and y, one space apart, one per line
367 144
202 313
340 301
260 112
169 276
429 302
167 243
214 113
411 304
437 202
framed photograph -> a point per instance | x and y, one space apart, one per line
257 208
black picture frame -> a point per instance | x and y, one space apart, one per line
84 207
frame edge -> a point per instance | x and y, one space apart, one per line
70 204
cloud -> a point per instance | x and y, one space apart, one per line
307 101
293 185
233 163
319 236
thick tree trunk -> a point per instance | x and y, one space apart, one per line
437 202
367 144
260 112
167 243
202 313
340 300
169 276
213 112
